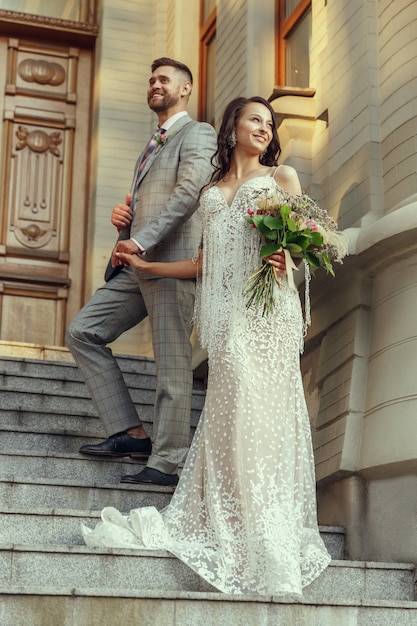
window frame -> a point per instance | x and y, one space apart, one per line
207 34
284 27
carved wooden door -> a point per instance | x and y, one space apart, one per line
44 175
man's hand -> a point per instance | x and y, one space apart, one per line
127 246
122 214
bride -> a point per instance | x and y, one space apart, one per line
243 515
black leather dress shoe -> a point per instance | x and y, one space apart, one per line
150 476
120 444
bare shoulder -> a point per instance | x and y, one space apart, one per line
287 178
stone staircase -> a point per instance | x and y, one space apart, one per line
48 577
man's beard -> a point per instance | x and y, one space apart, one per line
168 101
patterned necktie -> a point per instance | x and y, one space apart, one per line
150 148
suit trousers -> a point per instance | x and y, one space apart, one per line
116 307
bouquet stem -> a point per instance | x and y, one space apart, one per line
260 288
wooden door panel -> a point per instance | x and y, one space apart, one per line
39 158
44 182
31 315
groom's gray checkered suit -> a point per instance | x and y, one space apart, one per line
167 225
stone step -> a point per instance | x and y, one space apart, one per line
71 401
47 606
29 388
47 489
25 493
77 423
34 435
27 498
68 370
139 372
15 441
65 386
79 566
86 470
60 526
45 401
11 387
45 527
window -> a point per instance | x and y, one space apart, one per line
206 100
293 43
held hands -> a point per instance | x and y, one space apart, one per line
187 268
128 248
132 260
122 214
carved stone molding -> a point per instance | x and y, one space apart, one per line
14 24
37 140
33 232
42 72
36 189
46 70
52 22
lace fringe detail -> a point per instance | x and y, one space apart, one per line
231 255
307 306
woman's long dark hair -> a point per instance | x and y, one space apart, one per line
223 155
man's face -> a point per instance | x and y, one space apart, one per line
166 86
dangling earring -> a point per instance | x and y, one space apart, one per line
262 156
232 139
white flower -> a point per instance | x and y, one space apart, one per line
337 241
271 199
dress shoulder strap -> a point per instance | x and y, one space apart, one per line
273 171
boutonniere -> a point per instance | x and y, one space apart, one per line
161 139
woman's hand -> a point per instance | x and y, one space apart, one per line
277 260
122 214
133 260
188 268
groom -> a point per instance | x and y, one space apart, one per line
161 224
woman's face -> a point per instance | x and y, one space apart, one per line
254 128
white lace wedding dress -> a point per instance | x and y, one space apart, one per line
243 515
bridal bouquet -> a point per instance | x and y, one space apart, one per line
301 229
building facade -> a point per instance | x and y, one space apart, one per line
342 78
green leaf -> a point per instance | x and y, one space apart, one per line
258 220
285 211
272 235
294 248
292 226
248 218
269 249
272 222
316 238
327 264
313 259
299 240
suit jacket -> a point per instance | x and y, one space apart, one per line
165 196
